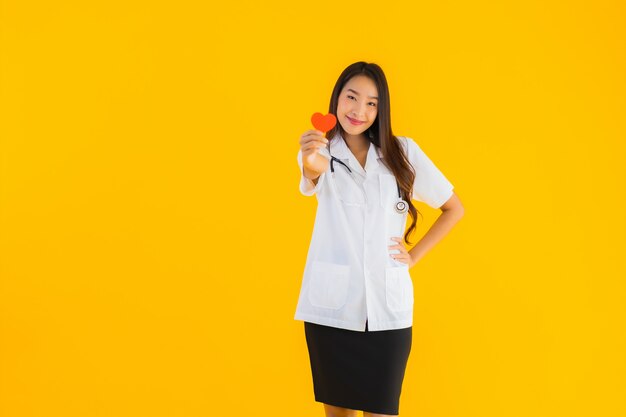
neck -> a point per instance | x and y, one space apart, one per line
356 142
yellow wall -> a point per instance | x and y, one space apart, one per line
153 238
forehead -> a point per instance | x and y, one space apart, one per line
362 84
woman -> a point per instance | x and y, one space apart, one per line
356 298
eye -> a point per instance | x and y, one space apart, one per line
371 102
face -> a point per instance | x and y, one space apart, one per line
358 102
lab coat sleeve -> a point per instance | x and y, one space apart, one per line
307 187
430 185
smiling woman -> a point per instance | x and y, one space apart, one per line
356 297
363 112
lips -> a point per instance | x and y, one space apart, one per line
355 122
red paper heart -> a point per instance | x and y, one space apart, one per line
323 123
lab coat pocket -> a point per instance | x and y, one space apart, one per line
388 192
328 287
399 288
350 190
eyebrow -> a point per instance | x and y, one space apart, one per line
349 89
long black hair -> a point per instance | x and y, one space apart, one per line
379 133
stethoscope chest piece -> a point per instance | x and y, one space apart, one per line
401 206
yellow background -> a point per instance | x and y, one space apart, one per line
153 237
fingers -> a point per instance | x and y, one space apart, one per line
403 256
312 145
399 246
313 132
312 140
313 135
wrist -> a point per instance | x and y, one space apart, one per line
415 257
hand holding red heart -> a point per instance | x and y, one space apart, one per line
313 139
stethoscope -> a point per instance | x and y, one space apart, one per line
400 206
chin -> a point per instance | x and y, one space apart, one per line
355 130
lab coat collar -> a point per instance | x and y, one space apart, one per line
339 149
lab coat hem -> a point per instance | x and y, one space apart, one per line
327 321
371 326
389 325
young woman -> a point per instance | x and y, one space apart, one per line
356 298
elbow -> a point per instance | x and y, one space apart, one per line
457 212
453 206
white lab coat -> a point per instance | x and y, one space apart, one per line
349 274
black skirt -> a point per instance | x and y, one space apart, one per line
358 370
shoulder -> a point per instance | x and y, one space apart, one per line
406 140
410 147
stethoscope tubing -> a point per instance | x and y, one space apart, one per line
401 206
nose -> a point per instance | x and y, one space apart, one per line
358 112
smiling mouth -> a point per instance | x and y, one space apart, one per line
355 122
